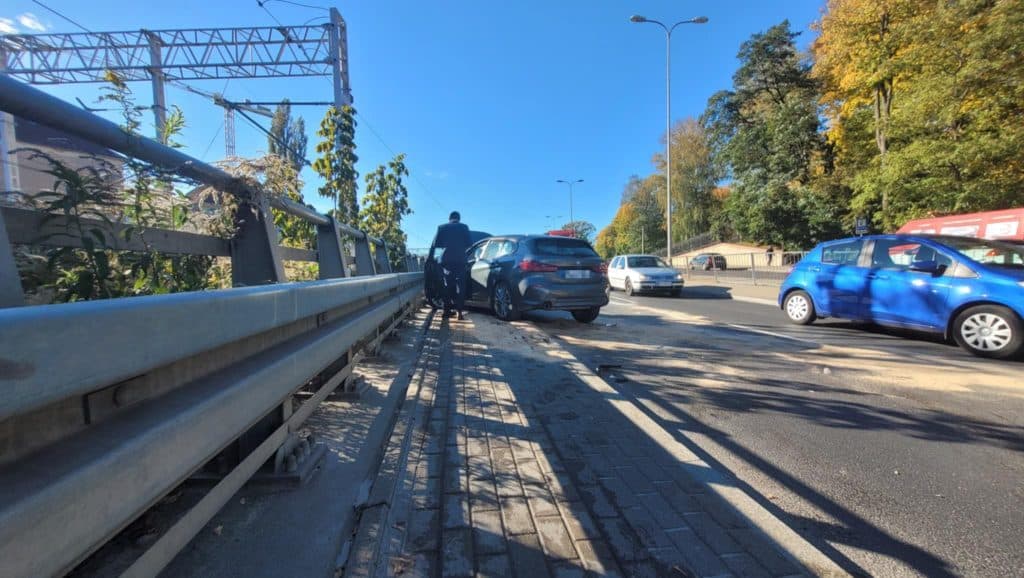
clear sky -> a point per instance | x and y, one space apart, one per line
491 101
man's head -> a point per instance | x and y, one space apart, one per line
455 217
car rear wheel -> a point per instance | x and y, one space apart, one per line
503 304
586 315
629 288
989 331
799 308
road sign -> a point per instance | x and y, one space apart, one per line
861 227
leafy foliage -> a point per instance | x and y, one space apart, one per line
287 137
337 163
581 229
385 203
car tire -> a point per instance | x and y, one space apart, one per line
629 288
989 331
503 302
586 315
799 308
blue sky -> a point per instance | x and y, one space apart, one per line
491 101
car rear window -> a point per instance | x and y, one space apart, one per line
563 247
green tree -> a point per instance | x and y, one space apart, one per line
336 163
385 203
287 137
581 229
764 134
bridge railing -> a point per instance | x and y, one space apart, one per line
109 406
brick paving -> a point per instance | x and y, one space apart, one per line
503 467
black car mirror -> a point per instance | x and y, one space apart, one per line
931 267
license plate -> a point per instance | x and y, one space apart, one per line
577 274
664 284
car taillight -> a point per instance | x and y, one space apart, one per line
531 266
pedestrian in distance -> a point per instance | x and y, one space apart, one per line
770 253
454 238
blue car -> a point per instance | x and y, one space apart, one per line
967 289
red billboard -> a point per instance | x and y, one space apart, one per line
1005 224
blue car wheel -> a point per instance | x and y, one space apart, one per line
989 331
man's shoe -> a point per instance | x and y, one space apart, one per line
447 313
462 316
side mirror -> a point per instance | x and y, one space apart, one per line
930 267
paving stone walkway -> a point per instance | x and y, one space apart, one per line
503 466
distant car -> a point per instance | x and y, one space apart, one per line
708 261
640 273
517 273
967 289
433 284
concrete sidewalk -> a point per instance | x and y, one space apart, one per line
509 459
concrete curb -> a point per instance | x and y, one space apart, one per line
361 559
786 540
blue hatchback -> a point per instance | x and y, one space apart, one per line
969 289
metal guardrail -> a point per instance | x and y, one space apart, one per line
107 406
752 268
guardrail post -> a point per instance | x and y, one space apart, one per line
254 256
753 273
380 256
11 294
364 260
331 256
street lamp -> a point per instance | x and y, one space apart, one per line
570 183
668 116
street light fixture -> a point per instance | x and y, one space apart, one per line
668 117
570 183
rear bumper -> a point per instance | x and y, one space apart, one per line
542 296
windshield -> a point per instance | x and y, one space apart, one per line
646 261
993 253
563 247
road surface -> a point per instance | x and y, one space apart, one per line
896 454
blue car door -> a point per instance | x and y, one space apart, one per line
840 279
901 295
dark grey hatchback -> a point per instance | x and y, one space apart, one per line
516 273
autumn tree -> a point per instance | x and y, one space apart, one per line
580 229
694 176
336 163
287 138
924 101
385 203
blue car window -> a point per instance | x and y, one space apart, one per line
900 254
846 253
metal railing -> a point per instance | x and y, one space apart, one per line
752 268
108 406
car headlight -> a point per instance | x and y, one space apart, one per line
1021 283
679 276
641 277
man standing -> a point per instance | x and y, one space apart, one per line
454 238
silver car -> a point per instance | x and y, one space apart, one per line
640 273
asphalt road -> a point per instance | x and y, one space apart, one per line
895 453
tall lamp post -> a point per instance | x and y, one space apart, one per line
668 116
570 183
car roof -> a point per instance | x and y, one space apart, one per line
908 236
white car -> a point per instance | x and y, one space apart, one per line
638 273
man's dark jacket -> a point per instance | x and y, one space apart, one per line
454 237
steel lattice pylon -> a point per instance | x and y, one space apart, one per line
186 54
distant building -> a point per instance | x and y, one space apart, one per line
23 173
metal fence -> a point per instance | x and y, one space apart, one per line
108 406
751 268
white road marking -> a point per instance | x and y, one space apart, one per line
771 333
621 301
